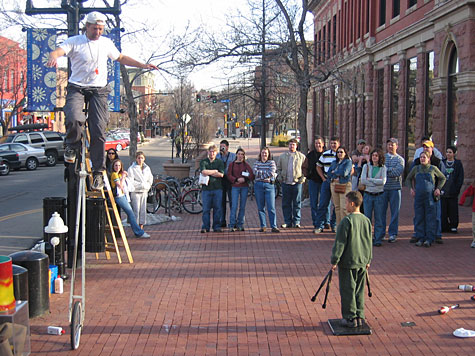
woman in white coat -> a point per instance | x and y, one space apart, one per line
141 177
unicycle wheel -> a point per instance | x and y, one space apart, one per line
76 325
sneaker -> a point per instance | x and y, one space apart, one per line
297 226
438 240
333 229
453 230
419 243
427 243
327 226
203 231
284 226
359 322
223 224
98 181
274 229
413 240
232 229
377 244
472 245
144 236
392 238
317 231
217 230
240 229
262 229
349 323
69 155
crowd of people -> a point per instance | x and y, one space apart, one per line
435 183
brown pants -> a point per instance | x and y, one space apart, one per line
339 200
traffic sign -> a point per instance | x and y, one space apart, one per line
248 121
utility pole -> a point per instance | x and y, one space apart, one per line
73 9
263 78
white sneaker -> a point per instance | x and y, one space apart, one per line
144 236
473 244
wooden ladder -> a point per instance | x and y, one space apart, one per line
113 220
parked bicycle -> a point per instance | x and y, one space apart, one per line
173 194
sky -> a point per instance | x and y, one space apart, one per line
161 17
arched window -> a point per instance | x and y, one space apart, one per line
452 106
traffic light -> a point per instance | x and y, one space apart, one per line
198 98
214 99
237 125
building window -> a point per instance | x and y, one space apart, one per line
411 108
12 80
336 119
411 3
329 45
326 116
334 35
429 94
324 43
316 112
380 106
5 80
452 105
394 100
367 17
396 8
382 12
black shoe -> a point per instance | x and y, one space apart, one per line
349 323
427 243
69 155
98 181
413 240
327 226
240 229
419 243
223 224
438 240
333 229
203 231
274 229
262 229
453 230
217 230
297 226
377 244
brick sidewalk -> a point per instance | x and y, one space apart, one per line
248 293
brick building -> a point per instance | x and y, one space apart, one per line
406 69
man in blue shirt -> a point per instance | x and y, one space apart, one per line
227 157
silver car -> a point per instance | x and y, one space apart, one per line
30 157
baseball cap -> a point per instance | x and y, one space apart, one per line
360 141
96 18
393 140
428 143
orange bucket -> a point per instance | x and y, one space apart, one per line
7 299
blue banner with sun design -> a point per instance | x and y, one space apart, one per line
41 87
41 80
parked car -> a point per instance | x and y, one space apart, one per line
291 134
30 157
9 160
111 142
50 141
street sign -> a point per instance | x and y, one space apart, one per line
186 118
248 121
225 100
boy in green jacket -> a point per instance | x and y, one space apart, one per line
352 253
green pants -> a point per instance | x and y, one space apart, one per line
352 283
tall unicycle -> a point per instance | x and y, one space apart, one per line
77 302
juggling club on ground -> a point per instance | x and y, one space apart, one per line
446 309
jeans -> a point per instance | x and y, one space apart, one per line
265 196
314 192
239 197
393 199
291 203
125 206
98 117
211 199
323 211
375 203
226 196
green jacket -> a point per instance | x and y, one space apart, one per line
299 158
214 182
353 247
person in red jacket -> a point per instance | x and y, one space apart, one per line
470 192
239 175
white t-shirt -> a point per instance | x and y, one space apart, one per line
89 59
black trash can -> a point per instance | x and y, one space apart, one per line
37 264
95 225
20 282
50 205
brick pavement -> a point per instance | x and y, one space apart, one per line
248 293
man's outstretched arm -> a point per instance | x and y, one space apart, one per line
53 57
127 61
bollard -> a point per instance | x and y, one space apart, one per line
20 282
38 293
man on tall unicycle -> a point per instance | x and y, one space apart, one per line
88 54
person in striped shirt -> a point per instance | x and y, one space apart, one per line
323 165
